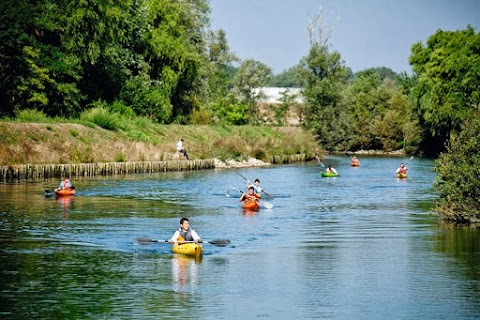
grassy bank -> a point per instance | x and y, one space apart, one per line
57 141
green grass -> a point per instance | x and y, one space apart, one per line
201 141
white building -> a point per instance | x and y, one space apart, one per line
273 95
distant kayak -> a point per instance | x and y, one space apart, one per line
191 249
355 164
401 175
329 174
65 192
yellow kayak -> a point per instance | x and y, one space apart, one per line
401 175
191 249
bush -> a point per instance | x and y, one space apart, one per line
31 115
102 118
459 169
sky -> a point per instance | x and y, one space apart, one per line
367 33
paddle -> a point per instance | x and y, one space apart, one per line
217 242
348 154
321 164
268 195
266 204
50 191
411 158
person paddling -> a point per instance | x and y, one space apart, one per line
331 169
184 233
402 170
355 162
65 184
256 187
251 196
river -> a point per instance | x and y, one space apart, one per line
363 245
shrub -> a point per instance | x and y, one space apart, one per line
459 169
102 118
120 157
31 115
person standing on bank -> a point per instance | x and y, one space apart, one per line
184 233
181 149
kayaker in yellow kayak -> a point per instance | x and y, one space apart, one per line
402 170
184 233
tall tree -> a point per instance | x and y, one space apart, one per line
250 75
325 76
446 92
42 74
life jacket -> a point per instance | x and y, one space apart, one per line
185 235
251 198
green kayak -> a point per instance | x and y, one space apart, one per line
329 174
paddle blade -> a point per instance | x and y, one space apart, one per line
220 242
148 241
267 205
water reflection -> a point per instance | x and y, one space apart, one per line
185 272
64 204
249 213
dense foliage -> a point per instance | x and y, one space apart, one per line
325 76
447 89
60 57
459 169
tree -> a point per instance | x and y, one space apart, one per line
325 76
289 78
217 72
287 101
37 72
446 92
458 171
382 72
250 75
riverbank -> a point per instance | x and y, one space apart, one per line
74 143
47 171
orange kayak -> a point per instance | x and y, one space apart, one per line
355 164
65 192
250 205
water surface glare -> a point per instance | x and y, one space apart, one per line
364 245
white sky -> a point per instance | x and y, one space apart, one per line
369 33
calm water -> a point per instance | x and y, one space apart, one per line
360 246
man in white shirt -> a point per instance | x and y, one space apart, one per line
181 149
